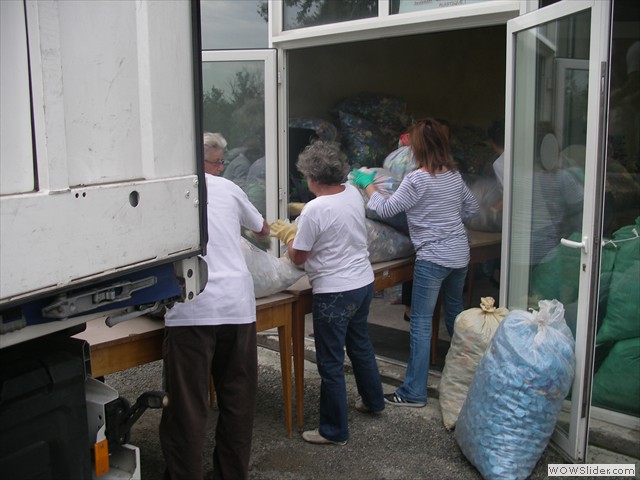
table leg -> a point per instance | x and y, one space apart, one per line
284 339
470 276
298 358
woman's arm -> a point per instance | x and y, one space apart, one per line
401 200
470 206
297 256
370 189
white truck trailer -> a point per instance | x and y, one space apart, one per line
102 212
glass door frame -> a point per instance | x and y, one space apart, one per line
574 442
269 58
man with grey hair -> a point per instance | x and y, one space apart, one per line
214 147
214 334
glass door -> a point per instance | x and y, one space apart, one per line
554 179
239 102
616 383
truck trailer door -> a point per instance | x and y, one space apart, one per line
101 155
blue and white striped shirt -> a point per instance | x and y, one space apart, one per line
435 207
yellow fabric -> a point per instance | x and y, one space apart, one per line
295 208
285 231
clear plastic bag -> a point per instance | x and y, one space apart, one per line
400 162
386 243
384 181
386 184
517 392
270 274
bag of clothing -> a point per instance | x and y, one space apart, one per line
270 274
623 308
616 384
474 328
517 392
387 113
363 142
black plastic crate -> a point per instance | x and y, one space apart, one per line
43 415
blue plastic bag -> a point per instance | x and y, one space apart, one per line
517 393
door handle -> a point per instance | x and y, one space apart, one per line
584 244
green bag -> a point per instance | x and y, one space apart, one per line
622 319
558 276
616 384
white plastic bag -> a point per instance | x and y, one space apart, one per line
474 329
488 193
270 274
516 395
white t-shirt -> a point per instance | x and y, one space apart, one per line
332 228
228 297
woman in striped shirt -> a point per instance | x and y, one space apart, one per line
436 200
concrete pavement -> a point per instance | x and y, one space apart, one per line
401 444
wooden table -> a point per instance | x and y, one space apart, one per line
483 246
139 341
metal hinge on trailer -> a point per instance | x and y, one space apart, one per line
67 306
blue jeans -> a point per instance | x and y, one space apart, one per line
428 279
339 320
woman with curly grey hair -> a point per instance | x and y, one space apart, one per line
331 240
323 163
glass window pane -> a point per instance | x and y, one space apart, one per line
404 6
308 13
233 105
230 24
549 139
616 383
